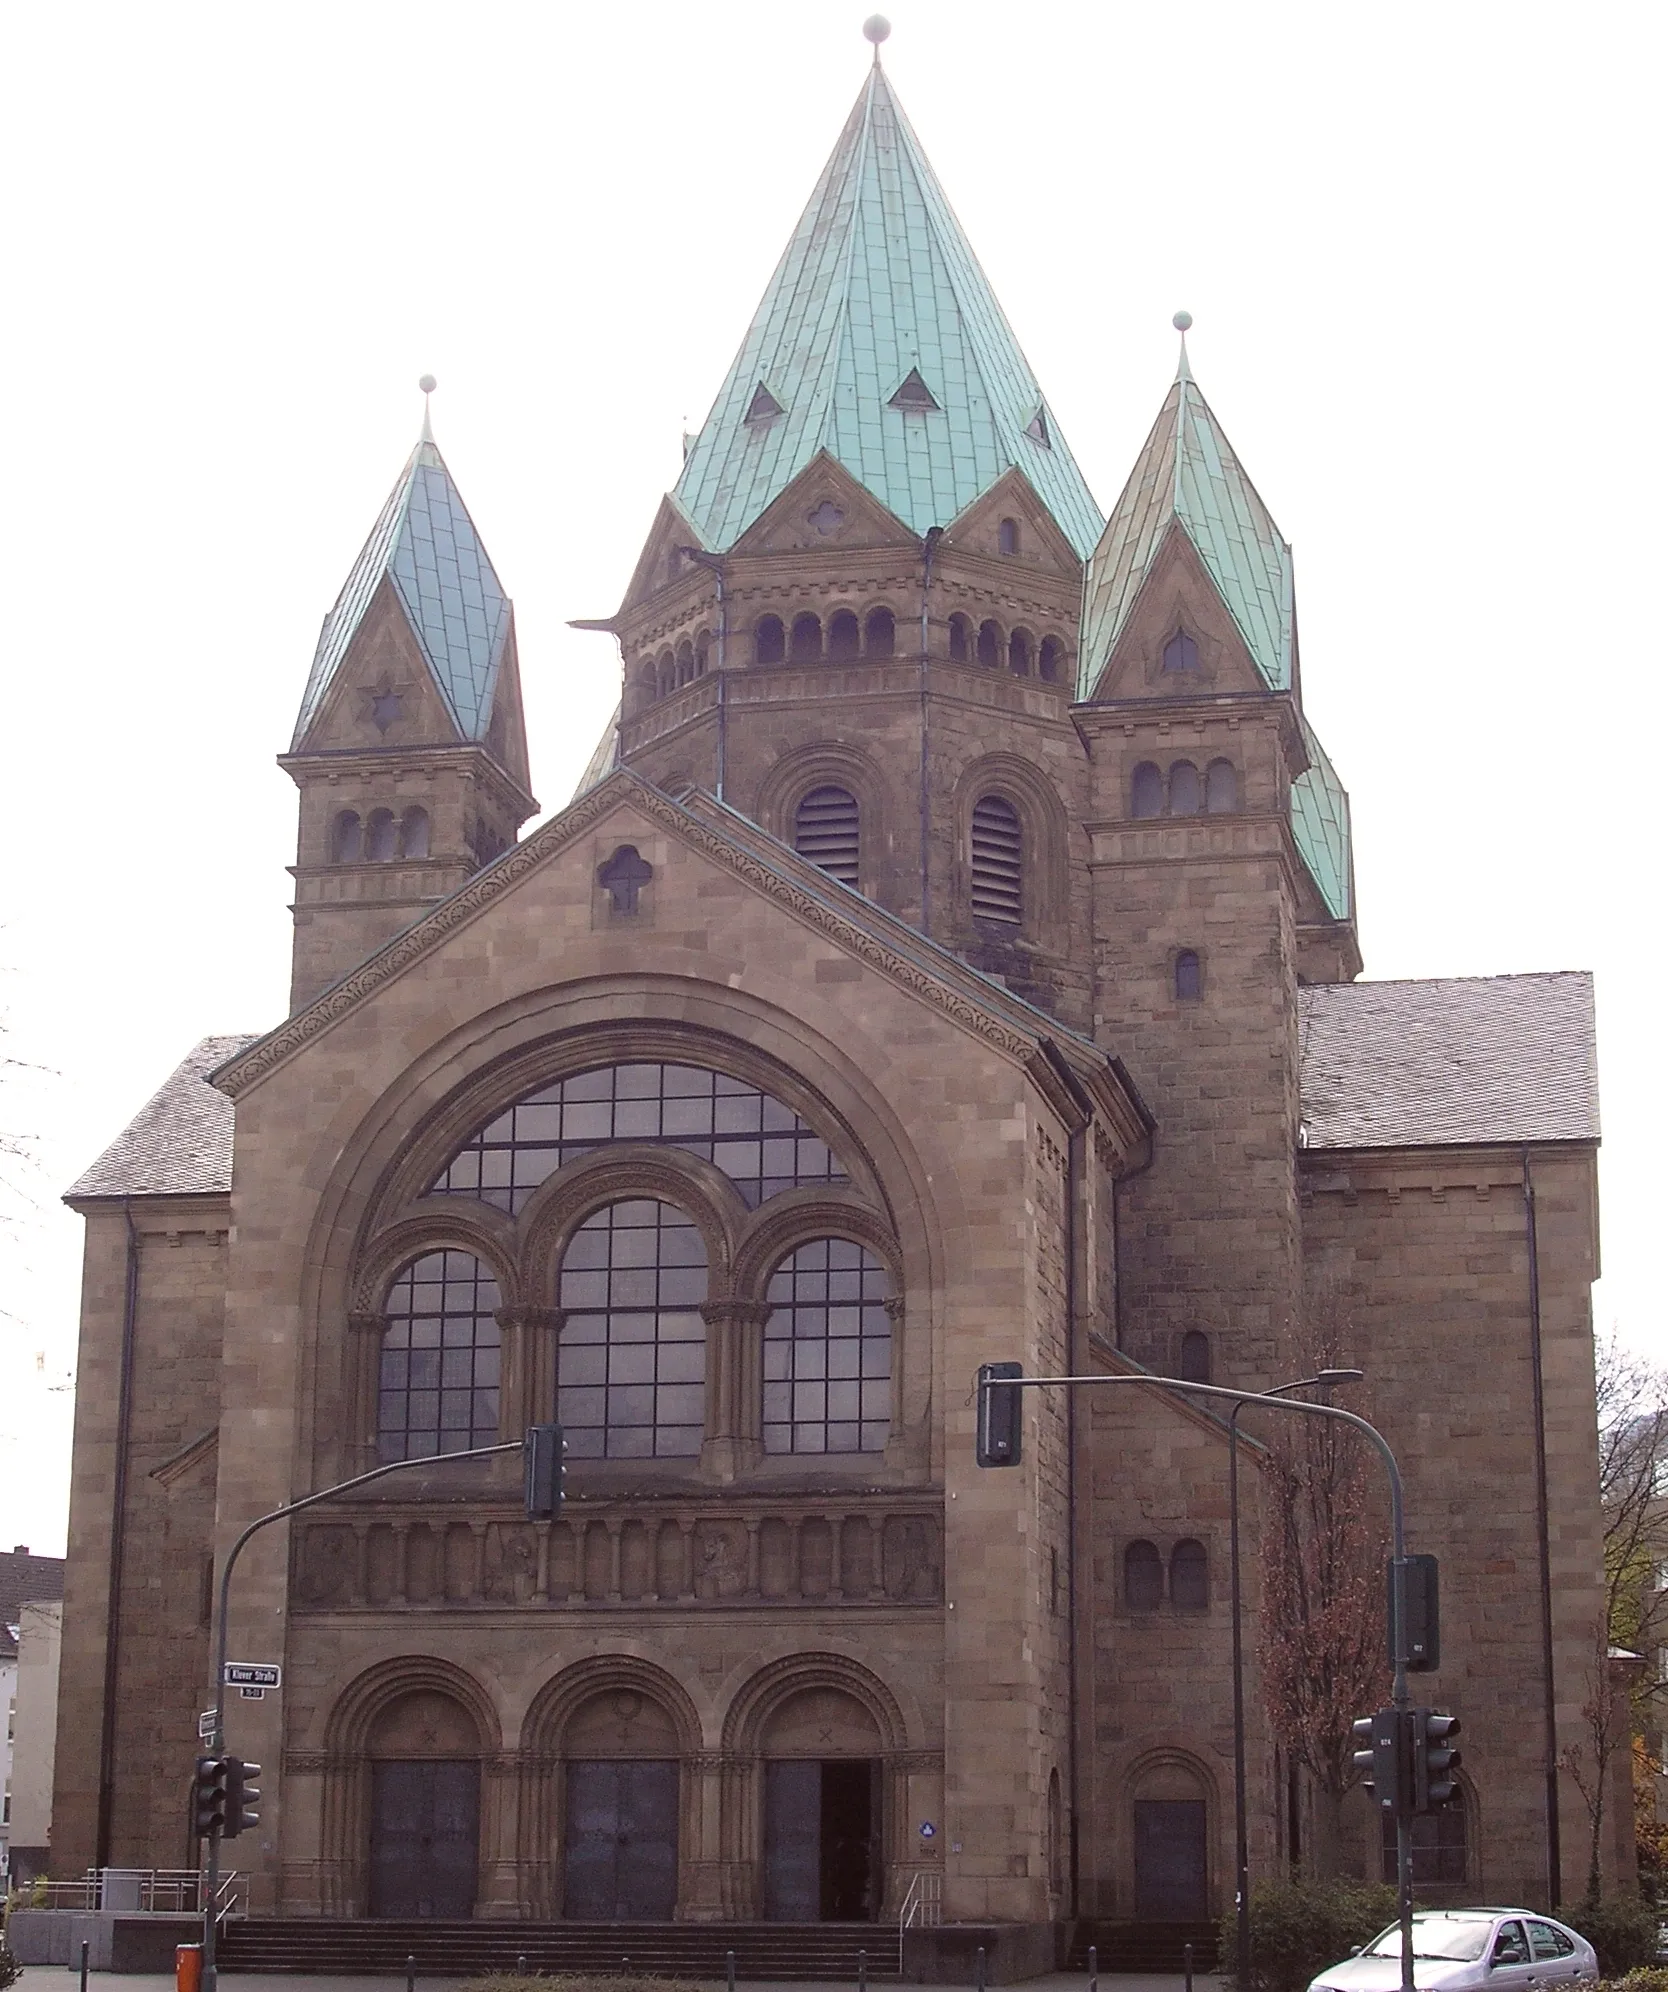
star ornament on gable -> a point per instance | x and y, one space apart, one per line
383 705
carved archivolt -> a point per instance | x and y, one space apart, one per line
639 1702
796 1216
365 1701
750 1713
701 1191
474 1228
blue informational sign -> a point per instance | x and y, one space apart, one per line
928 1829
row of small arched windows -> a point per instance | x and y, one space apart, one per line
805 642
682 666
380 837
1183 791
1018 649
827 828
1144 1576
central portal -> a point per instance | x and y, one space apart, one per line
822 1841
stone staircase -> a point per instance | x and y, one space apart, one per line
363 1946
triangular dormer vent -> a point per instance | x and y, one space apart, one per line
764 407
914 396
1037 429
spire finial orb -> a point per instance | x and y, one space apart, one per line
1183 321
876 28
427 384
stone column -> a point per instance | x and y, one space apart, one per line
359 1407
735 1383
527 1393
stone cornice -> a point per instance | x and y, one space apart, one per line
986 1011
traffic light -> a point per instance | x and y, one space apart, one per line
545 1471
1382 1755
1421 1614
1435 1760
208 1797
998 1430
241 1793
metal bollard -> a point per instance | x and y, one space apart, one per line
979 1968
521 1964
410 1973
1094 1969
1187 1966
730 1971
83 1964
862 1971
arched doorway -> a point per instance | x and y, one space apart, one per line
1171 1844
822 1810
620 1754
425 1808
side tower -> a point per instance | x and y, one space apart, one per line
1222 880
855 619
410 750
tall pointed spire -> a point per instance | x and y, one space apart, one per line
425 543
880 341
1188 476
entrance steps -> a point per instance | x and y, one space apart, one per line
1144 1947
802 1951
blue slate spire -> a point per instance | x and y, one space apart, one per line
426 544
880 341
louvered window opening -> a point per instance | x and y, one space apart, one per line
998 863
825 831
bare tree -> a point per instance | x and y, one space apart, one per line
1324 1659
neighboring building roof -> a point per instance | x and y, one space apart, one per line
880 341
179 1144
425 542
1187 474
25 1580
1483 1059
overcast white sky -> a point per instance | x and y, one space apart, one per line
1422 244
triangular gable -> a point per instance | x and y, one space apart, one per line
804 514
672 528
1013 495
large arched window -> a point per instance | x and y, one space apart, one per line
828 1351
1143 1577
998 870
825 830
437 1383
762 1145
769 640
1189 1576
631 1358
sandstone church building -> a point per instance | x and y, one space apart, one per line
949 957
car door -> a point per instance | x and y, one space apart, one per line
1553 1952
1510 1963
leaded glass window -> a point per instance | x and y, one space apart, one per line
631 1358
828 1351
437 1387
760 1144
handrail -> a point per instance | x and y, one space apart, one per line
923 1904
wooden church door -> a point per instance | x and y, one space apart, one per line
425 1838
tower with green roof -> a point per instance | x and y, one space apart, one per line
409 750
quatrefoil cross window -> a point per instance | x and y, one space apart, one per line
624 876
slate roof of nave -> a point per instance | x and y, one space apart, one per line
1467 1060
880 340
179 1144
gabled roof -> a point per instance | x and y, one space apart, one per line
1187 476
424 543
1468 1060
179 1144
25 1580
878 291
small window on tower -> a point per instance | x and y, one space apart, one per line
998 871
913 395
1190 981
825 830
1037 429
1019 653
1189 1576
769 640
1181 653
414 833
764 407
1007 536
1050 660
1143 1577
1185 795
1193 1357
842 635
1221 789
880 634
381 837
806 647
1146 791
961 640
347 840
990 645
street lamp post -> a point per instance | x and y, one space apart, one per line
1324 1379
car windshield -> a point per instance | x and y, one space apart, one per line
1460 1937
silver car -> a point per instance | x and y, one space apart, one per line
1502 1949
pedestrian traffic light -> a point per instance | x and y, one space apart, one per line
1382 1756
208 1797
1435 1760
997 1432
242 1793
545 1471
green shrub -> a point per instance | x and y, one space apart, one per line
1300 1927
1648 1978
1622 1929
10 1970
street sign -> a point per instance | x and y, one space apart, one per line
252 1694
252 1674
205 1725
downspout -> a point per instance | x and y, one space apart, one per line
1543 1544
929 546
118 1545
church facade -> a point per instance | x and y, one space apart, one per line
950 956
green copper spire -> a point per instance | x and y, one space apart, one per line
425 542
1187 475
879 340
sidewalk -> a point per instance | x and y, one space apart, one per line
55 1978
